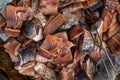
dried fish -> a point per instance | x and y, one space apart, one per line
96 54
114 27
42 59
49 6
75 32
88 44
15 18
98 31
16 15
39 16
54 23
26 42
112 5
33 30
97 26
26 55
76 35
107 17
88 66
97 7
62 35
71 6
58 48
95 15
118 13
72 20
77 57
12 32
67 74
62 39
13 57
27 69
65 58
74 5
12 46
114 42
35 5
69 24
45 72
108 13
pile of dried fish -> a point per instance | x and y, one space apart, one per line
62 39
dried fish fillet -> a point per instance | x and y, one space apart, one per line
54 23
